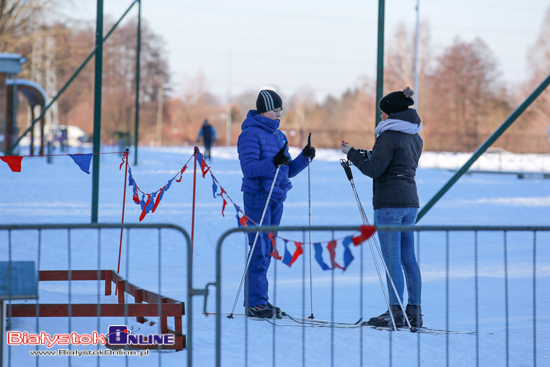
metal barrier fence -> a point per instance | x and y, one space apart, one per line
67 253
481 300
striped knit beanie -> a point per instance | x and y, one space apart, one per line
268 100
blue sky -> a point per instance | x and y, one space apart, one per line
321 45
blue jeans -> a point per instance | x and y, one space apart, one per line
398 251
256 284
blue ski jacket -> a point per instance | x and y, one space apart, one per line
258 143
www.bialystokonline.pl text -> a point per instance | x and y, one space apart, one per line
89 353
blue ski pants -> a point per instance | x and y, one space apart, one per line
256 278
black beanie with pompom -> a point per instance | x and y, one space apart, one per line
397 101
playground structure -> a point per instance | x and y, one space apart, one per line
156 305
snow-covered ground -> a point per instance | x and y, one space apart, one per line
61 193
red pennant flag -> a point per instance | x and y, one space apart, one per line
366 233
159 196
243 220
125 155
223 207
14 161
297 253
332 251
144 211
275 253
181 174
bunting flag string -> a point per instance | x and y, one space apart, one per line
241 221
287 257
289 260
319 256
14 162
202 163
332 251
275 253
150 204
365 233
150 201
348 256
82 160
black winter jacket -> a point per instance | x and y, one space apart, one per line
392 165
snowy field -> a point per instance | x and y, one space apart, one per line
61 193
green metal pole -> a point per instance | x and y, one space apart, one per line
68 82
97 108
138 53
380 60
509 121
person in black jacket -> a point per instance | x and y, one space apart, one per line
392 164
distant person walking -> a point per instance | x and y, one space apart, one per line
392 164
208 133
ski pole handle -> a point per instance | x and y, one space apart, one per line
347 168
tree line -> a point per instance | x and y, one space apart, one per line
462 97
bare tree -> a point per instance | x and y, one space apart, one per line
539 65
18 22
399 69
465 90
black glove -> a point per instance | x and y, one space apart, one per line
309 151
281 159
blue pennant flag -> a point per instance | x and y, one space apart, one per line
348 256
130 178
214 187
168 185
319 256
287 258
151 203
83 161
142 202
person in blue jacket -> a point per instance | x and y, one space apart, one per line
208 133
262 148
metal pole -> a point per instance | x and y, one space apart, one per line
138 55
84 63
228 121
380 59
97 108
193 210
15 102
159 114
509 121
123 207
416 54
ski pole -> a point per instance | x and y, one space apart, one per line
254 244
347 168
309 208
310 257
378 249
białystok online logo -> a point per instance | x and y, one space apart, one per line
120 335
117 335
